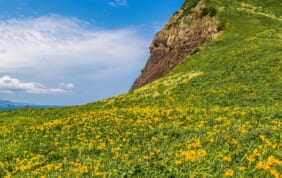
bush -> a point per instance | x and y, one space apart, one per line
205 12
208 11
189 5
221 26
212 11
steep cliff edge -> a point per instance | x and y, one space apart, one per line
190 27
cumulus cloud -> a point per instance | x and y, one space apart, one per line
117 3
11 85
61 43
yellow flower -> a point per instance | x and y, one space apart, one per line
256 152
229 173
1 165
197 144
262 165
154 139
190 155
35 172
49 167
275 173
227 158
242 114
242 168
178 162
272 160
8 175
117 149
243 130
152 153
23 168
157 150
202 152
146 157
99 174
250 158
262 137
83 169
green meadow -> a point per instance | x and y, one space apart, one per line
217 114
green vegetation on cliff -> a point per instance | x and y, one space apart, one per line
218 113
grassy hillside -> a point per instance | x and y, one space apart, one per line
218 114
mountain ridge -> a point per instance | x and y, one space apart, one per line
190 27
10 105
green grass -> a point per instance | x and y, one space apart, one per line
218 114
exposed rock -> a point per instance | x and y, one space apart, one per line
181 36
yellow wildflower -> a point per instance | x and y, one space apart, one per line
227 158
2 165
256 152
262 137
262 165
272 160
229 173
178 162
8 175
117 149
35 172
275 173
202 152
190 155
243 130
83 169
250 158
242 114
49 167
154 139
242 168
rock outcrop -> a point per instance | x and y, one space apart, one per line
186 30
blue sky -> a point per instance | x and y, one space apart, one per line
67 52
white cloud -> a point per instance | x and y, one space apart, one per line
11 85
67 85
56 43
117 3
54 49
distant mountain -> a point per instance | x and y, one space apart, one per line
4 102
9 105
6 105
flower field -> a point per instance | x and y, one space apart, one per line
218 114
147 142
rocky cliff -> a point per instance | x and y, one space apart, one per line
190 27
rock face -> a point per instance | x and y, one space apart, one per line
186 30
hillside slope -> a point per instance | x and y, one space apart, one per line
217 114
